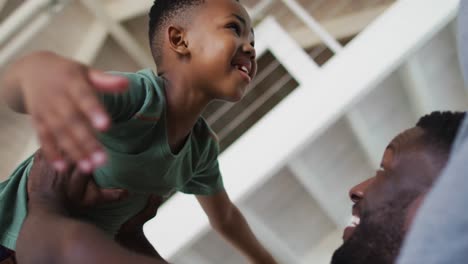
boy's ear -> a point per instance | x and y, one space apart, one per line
177 40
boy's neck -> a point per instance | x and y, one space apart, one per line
185 103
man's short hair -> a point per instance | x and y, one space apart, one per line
441 128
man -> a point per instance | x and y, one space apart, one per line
384 206
383 210
441 227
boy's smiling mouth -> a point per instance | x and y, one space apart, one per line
244 68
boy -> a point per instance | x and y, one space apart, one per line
158 144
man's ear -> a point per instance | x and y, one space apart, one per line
178 40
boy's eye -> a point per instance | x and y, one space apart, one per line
235 27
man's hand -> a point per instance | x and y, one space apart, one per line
131 234
70 190
60 95
135 224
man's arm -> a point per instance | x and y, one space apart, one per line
49 236
228 221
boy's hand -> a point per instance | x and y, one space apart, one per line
69 191
60 95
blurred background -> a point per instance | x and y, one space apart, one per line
337 80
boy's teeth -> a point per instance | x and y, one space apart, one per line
243 68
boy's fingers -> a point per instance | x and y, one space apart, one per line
48 144
75 134
104 82
58 125
85 136
71 148
86 100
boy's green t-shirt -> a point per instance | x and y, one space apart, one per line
140 160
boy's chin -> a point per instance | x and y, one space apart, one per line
233 97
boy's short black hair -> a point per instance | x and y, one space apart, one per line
441 128
161 12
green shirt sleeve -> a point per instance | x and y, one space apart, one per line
124 106
207 179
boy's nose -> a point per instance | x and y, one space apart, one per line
250 50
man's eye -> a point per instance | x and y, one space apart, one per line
235 27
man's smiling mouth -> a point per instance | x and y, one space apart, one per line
349 230
354 221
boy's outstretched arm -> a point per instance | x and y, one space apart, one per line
228 221
60 96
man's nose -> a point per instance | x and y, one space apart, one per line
358 192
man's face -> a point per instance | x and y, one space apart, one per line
384 204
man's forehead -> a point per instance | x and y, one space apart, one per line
407 138
404 143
